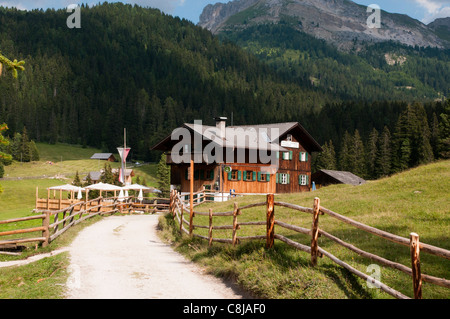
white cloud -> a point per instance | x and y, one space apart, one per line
434 9
167 6
10 4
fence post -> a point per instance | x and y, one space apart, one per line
415 261
235 223
270 221
315 232
181 218
171 203
46 231
210 227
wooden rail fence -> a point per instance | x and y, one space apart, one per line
56 222
178 209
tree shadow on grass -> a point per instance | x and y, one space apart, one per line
346 281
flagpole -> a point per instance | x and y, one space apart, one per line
124 160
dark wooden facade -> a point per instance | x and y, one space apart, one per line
296 164
290 174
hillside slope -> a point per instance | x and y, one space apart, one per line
412 201
330 45
131 67
339 21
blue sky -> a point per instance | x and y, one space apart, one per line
423 10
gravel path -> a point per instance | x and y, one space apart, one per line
121 257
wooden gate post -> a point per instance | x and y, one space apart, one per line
191 197
210 227
270 221
181 218
315 232
235 223
415 261
171 203
46 231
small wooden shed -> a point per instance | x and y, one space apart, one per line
326 177
104 157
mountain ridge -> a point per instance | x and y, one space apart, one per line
339 22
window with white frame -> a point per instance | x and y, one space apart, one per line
303 157
287 155
303 180
284 178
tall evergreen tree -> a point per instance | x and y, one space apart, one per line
34 152
384 156
107 175
372 154
357 155
344 154
77 180
444 132
163 174
327 158
25 150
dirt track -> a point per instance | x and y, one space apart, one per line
123 258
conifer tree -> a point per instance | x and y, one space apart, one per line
77 180
444 132
344 154
372 153
34 153
163 174
25 151
327 158
384 156
107 175
357 155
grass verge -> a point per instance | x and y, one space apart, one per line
413 201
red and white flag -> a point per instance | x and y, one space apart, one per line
123 152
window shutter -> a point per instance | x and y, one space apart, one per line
278 155
254 176
229 176
268 178
186 174
299 179
288 178
239 173
277 178
259 176
306 156
290 155
244 178
307 178
211 177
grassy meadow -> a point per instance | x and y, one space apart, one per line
413 201
417 200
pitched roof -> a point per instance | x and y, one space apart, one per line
270 133
343 177
128 171
95 176
101 156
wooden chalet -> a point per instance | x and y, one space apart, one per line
289 146
109 157
96 176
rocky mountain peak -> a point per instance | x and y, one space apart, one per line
337 21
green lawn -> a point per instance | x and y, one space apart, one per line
413 201
18 197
